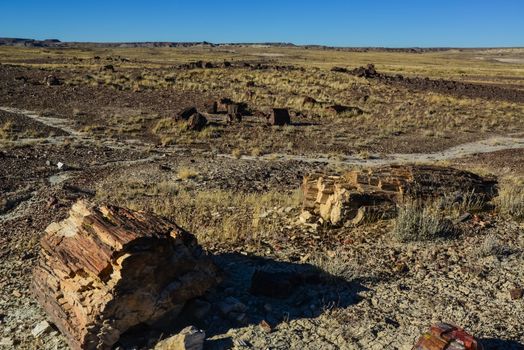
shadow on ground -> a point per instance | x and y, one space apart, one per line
282 291
499 344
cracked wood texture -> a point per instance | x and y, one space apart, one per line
374 193
106 269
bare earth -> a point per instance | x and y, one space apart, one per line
234 185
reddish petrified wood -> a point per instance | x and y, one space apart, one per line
106 269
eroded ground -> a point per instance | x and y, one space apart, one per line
108 134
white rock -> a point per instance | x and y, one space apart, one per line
59 165
305 217
41 328
190 338
8 342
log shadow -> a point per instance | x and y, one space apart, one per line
282 291
501 344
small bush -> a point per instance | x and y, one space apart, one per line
419 221
511 198
492 247
236 153
186 173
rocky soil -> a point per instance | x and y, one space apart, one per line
308 286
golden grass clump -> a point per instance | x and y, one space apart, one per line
510 200
214 215
185 173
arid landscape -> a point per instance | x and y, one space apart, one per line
343 198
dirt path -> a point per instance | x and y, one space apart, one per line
493 144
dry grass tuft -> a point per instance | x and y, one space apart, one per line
422 221
510 201
213 215
186 173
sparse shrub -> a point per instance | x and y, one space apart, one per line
255 152
491 246
186 173
511 198
236 153
337 264
213 215
422 221
5 130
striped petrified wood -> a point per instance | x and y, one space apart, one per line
375 193
105 269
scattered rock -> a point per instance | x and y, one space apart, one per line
190 338
266 327
7 342
443 336
212 107
196 122
52 80
339 69
309 101
365 72
186 113
306 217
41 328
463 218
234 112
231 304
516 293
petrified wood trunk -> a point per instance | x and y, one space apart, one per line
279 116
106 269
374 193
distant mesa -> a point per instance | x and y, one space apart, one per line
151 44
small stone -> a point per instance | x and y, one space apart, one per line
59 165
464 217
7 342
41 328
516 293
231 304
190 338
305 217
266 327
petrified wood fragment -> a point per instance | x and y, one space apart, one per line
106 269
374 193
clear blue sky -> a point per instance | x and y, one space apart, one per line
392 23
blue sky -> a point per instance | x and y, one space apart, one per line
394 23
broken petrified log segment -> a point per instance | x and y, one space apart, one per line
375 193
279 116
186 113
234 113
212 107
106 269
196 122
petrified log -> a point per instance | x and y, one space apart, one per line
196 122
375 193
186 113
106 269
279 116
234 113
